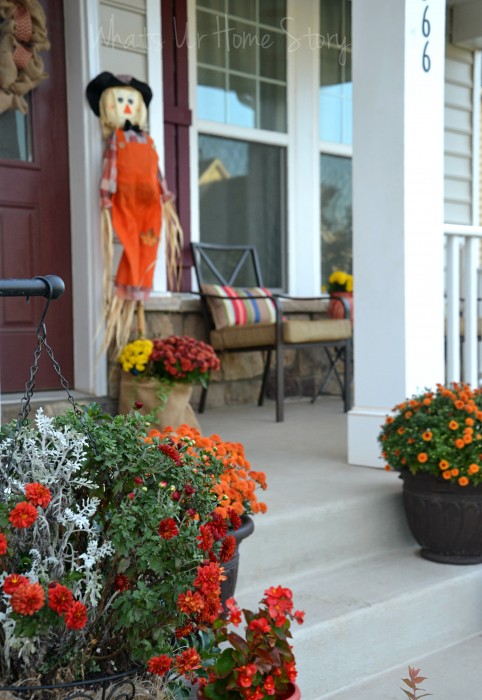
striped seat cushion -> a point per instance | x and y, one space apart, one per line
239 306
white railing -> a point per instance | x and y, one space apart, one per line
463 289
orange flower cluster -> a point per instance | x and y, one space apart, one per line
237 490
202 606
438 432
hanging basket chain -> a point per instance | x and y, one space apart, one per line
41 335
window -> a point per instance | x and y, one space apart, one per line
336 214
335 130
335 71
241 53
241 105
16 135
242 198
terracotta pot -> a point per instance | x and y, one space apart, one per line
170 402
444 518
336 309
231 567
293 694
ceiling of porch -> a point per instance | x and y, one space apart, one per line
465 23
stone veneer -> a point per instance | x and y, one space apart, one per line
239 379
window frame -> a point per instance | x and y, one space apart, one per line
301 248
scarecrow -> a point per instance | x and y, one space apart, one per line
134 200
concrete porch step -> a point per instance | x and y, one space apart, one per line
328 534
375 613
452 672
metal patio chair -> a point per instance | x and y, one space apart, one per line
241 315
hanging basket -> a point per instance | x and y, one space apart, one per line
169 402
119 685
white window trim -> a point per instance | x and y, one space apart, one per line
274 138
336 149
303 206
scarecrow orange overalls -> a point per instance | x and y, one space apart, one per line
136 216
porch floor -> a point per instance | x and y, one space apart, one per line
336 534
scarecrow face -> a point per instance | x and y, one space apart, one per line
121 104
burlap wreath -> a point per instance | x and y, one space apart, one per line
23 34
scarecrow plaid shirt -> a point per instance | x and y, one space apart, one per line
108 183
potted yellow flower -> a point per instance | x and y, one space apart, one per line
158 376
434 440
340 286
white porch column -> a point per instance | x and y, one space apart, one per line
398 113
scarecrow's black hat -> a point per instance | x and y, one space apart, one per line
106 80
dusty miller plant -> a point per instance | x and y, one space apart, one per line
63 544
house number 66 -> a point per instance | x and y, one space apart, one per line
426 62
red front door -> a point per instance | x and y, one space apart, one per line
35 219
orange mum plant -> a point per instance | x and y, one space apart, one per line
437 432
238 484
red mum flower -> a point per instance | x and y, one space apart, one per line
122 583
138 480
171 452
159 665
228 548
187 661
13 581
76 616
208 579
234 519
212 609
189 490
28 598
190 602
219 526
168 529
23 515
183 631
38 494
3 544
260 626
60 599
206 538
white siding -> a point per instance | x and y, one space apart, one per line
122 37
459 69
